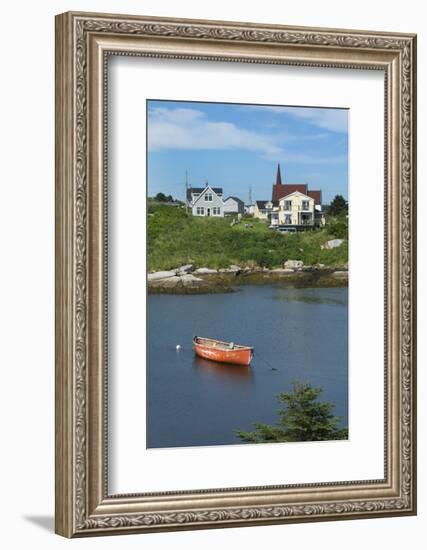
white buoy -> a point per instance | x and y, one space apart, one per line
178 347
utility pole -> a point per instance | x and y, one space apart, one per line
186 191
250 194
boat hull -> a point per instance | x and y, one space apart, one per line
233 356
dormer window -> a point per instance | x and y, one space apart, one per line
208 197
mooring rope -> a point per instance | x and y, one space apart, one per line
266 362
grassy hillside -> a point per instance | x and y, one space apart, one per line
175 238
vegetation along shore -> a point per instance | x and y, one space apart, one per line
188 254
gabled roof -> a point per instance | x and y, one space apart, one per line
316 195
215 190
296 193
199 190
281 190
235 199
262 204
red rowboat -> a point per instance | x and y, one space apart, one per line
223 352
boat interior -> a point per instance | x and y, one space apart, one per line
226 346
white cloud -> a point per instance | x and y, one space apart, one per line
334 120
183 128
300 158
190 129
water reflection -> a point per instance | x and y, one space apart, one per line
230 373
309 296
194 401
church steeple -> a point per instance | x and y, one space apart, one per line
278 176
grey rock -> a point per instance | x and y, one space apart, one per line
205 271
190 280
161 275
282 271
185 269
334 243
340 274
232 270
293 264
170 282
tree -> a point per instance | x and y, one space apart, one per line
160 197
304 418
338 206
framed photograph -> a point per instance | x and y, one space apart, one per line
235 274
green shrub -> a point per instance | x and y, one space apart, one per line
177 238
338 229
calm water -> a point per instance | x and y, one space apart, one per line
303 333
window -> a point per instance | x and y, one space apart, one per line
288 219
306 205
287 205
200 211
216 211
208 197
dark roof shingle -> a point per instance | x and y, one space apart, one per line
191 190
234 198
281 190
316 195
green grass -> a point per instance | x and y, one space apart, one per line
176 238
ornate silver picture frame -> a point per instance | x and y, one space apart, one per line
84 42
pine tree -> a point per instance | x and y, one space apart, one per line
338 206
160 197
304 418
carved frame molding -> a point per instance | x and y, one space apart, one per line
83 43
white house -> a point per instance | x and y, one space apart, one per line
292 204
233 205
296 209
300 210
205 201
266 210
250 209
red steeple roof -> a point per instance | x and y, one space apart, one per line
278 176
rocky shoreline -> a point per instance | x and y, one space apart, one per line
188 280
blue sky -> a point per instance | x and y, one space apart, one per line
235 146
